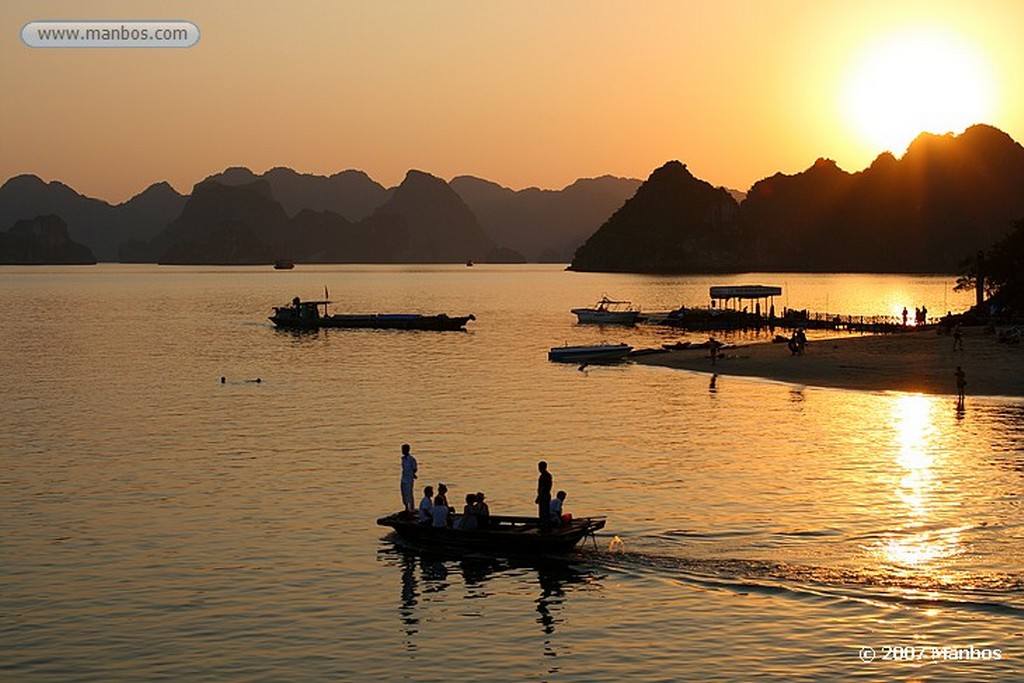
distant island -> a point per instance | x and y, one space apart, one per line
43 240
947 198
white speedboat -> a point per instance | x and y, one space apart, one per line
596 353
608 312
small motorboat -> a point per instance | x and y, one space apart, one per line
608 312
503 535
596 353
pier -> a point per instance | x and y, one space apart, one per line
717 319
752 307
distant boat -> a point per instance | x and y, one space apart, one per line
596 353
608 312
283 264
469 264
307 315
503 536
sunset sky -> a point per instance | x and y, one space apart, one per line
524 93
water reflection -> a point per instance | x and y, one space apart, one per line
921 542
546 583
1007 440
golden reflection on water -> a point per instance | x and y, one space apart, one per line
919 544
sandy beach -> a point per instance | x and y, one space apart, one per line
921 362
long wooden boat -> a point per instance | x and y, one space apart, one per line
504 535
307 315
595 353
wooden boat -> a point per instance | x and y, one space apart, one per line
596 353
608 312
307 315
504 535
283 264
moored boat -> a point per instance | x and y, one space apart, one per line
608 312
307 315
595 353
504 534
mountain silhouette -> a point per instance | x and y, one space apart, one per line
674 223
544 225
351 194
224 224
43 240
92 222
946 198
426 221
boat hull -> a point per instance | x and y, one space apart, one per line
592 316
504 536
606 353
435 323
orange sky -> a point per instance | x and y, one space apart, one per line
523 93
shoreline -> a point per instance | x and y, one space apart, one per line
915 362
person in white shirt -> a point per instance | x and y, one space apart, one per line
409 468
426 506
439 513
556 508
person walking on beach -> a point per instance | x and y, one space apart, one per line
961 384
544 496
904 316
958 338
409 468
714 349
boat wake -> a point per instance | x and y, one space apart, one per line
990 593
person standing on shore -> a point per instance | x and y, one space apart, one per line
544 496
409 468
961 384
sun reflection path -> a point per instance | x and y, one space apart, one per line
918 544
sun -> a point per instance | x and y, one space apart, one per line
915 81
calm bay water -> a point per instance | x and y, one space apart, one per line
155 523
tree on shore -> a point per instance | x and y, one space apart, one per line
1002 267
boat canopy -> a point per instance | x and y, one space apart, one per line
745 292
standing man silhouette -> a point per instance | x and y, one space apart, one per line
544 496
409 468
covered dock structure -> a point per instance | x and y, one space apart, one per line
723 296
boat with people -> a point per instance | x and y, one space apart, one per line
595 353
502 535
608 312
311 315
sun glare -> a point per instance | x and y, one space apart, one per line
916 81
